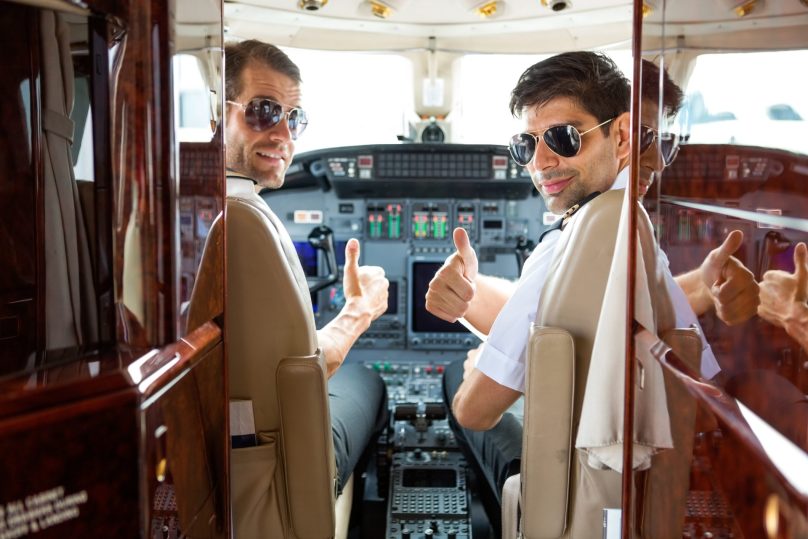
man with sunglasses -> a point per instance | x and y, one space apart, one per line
576 108
263 120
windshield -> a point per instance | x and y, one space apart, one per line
750 99
353 98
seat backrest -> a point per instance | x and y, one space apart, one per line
562 495
285 486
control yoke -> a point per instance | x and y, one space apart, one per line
322 238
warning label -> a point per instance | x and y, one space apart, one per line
39 511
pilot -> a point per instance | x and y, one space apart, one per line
264 119
587 91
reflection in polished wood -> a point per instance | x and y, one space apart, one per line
21 299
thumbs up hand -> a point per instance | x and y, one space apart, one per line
732 286
453 287
364 286
783 294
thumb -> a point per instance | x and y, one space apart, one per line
801 272
350 279
467 254
720 255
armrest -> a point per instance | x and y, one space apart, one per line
308 454
547 440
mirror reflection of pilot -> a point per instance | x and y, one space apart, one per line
264 118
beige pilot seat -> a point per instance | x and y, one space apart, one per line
285 486
557 494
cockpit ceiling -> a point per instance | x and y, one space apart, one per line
520 26
523 26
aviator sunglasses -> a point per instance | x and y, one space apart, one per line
261 114
668 143
563 140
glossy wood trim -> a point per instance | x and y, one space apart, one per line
99 95
633 195
38 159
143 179
726 410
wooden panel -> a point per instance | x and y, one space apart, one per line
732 479
72 471
184 442
143 179
20 222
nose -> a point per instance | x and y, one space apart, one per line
544 158
281 131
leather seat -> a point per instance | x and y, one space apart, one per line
557 493
285 485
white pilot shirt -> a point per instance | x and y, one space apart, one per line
503 356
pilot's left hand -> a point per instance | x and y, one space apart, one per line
732 286
364 287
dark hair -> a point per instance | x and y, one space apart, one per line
591 79
238 55
672 96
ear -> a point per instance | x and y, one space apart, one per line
622 136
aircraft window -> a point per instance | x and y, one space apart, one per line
749 99
194 99
482 90
354 98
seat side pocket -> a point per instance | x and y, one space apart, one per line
254 491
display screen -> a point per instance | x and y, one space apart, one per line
339 248
429 477
392 298
422 320
308 257
495 224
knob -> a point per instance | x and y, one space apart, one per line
451 534
428 533
416 341
406 533
417 454
433 525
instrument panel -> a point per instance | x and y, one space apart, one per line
402 203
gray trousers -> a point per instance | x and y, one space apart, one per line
497 452
358 404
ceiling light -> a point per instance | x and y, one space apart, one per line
312 5
746 8
557 5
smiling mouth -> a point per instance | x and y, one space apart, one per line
270 155
553 188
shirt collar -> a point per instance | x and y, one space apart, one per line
621 181
239 184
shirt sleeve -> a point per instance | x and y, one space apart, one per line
685 318
503 356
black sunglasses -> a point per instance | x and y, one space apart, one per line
262 114
668 143
563 140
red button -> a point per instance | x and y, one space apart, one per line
440 369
